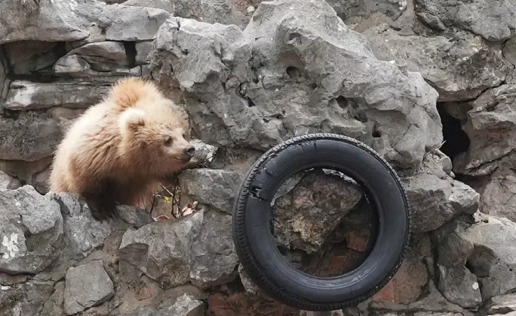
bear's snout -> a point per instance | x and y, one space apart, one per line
190 151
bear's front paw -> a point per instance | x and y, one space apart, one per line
101 210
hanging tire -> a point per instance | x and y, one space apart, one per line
256 246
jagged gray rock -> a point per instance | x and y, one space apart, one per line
29 56
497 194
161 249
214 187
100 56
143 50
459 286
503 304
212 255
243 83
435 201
185 305
509 50
82 232
4 81
493 260
493 20
491 119
92 21
31 231
306 216
77 94
31 136
348 9
459 68
85 286
25 299
7 182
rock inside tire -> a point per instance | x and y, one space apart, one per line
256 246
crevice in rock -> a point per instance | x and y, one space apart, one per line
455 139
130 51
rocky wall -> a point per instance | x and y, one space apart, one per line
429 84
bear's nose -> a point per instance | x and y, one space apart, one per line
190 151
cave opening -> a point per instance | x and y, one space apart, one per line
456 140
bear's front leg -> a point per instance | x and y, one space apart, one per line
101 200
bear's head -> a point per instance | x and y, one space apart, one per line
156 138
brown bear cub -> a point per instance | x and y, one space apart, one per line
119 150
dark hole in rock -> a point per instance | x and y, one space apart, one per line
456 140
293 72
293 36
250 103
342 102
130 51
377 134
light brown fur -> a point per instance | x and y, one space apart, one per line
120 149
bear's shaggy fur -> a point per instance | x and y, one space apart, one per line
119 150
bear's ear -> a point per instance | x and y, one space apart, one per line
131 120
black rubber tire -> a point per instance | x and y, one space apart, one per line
256 246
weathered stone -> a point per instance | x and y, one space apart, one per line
133 216
143 50
349 9
92 21
452 249
7 182
185 305
53 307
31 231
204 153
459 286
26 95
213 11
497 194
144 311
330 313
213 187
38 20
493 260
100 56
509 50
492 118
85 286
25 299
31 136
435 201
161 249
25 171
247 98
407 284
312 210
502 304
493 20
82 232
4 81
29 56
459 69
212 254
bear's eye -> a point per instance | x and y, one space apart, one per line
167 141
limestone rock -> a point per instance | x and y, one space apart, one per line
365 9
31 136
213 187
247 98
161 249
4 81
497 194
26 95
248 284
459 286
212 256
7 182
306 216
82 232
493 20
185 305
509 50
31 231
435 201
459 69
53 307
493 260
143 50
100 56
492 118
133 216
85 286
92 21
25 299
30 56
502 304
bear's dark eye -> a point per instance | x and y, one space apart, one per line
167 141
184 136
